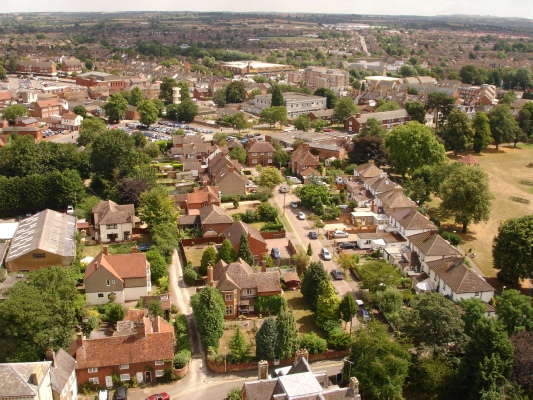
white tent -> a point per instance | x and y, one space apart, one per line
425 286
7 230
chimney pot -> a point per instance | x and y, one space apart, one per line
302 353
106 250
354 385
141 330
209 275
262 370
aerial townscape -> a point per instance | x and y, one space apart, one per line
210 205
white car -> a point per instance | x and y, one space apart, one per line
301 215
326 255
340 234
70 210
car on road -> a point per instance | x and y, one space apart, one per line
159 396
121 393
313 235
326 255
337 274
257 134
340 234
364 314
301 215
274 253
283 189
347 245
294 204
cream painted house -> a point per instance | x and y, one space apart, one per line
113 222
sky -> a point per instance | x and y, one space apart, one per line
500 8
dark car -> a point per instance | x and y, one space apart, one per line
257 134
364 314
337 274
313 235
121 393
144 247
347 245
159 396
275 253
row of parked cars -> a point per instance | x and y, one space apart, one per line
49 133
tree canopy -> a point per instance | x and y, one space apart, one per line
442 105
327 304
343 109
311 194
148 112
503 125
329 94
209 309
187 110
313 278
368 148
514 311
165 92
482 135
115 107
235 92
287 343
266 340
457 132
269 177
156 207
416 111
277 97
244 250
274 115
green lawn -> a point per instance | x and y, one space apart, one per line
194 254
304 316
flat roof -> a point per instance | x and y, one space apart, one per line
8 229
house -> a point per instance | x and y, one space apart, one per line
196 151
227 175
410 222
317 76
214 220
302 159
394 200
63 375
388 119
379 184
113 222
430 246
46 108
140 348
72 65
127 276
5 98
200 197
296 103
34 131
241 285
43 240
258 245
368 170
261 153
325 115
297 381
26 380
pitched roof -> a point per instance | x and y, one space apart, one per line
382 185
260 390
469 160
382 116
458 276
261 147
110 212
235 231
410 219
123 266
395 198
241 275
307 159
16 378
48 231
213 214
368 170
432 244
61 370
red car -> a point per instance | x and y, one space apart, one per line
159 396
327 130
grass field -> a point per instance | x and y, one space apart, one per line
194 254
304 316
508 177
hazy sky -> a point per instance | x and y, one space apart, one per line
500 8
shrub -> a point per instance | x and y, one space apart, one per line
313 343
189 276
181 359
330 325
234 394
241 197
266 212
274 304
249 216
158 264
338 339
453 238
435 221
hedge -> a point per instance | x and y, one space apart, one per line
182 332
228 198
274 304
453 238
277 225
182 358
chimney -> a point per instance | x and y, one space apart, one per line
106 250
141 330
302 353
231 168
209 275
134 249
80 339
263 266
371 161
36 376
357 115
51 356
354 385
262 370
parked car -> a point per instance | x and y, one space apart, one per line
294 204
360 303
347 245
159 396
296 180
70 210
340 234
301 215
364 314
313 235
337 274
274 253
144 247
257 134
283 189
121 393
326 255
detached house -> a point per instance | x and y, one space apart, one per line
241 285
127 276
261 153
113 222
214 220
302 160
201 197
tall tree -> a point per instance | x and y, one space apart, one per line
442 105
374 127
270 177
389 300
287 335
344 108
474 311
208 310
165 89
115 107
239 154
187 110
244 250
512 249
90 128
274 115
466 195
277 97
16 110
482 136
348 309
238 121
136 96
266 340
412 146
302 123
327 304
235 92
503 126
239 348
148 112
312 194
209 258
368 148
314 276
219 97
523 365
514 311
329 94
156 207
226 252
80 110
457 132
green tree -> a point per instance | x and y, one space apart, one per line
431 376
368 148
329 94
237 121
239 154
187 110
301 261
234 394
311 194
344 108
503 126
155 309
3 72
327 304
523 365
219 97
389 300
235 92
266 340
412 146
379 362
373 127
508 97
90 129
277 97
208 258
13 112
466 195
309 250
136 96
287 343
267 212
115 107
244 250
184 90
165 89
348 309
148 112
512 250
208 309
442 105
114 312
524 121
226 252
482 135
387 106
474 311
173 112
416 111
302 123
313 278
376 274
514 311
239 348
157 207
158 265
269 178
80 110
140 140
457 132
274 115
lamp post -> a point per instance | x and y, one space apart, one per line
225 352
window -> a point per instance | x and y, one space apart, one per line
93 370
159 362
270 161
100 295
94 381
124 366
228 297
270 153
477 294
124 377
443 286
248 292
159 373
254 161
39 255
108 282
229 310
254 154
111 226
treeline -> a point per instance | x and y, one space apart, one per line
161 50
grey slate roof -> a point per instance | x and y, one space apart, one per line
60 372
15 379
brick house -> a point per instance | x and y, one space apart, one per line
258 245
388 119
201 197
35 67
325 115
261 153
179 141
140 348
214 220
71 65
34 131
302 159
241 285
226 174
5 98
46 109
